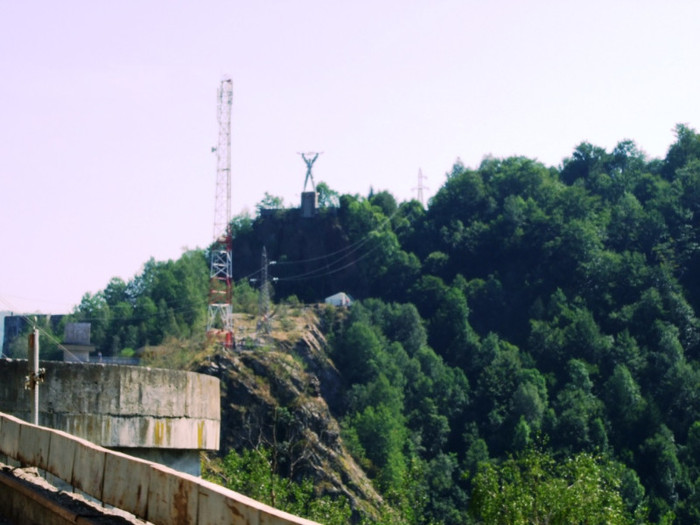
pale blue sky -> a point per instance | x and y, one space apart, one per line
108 110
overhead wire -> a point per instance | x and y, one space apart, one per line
314 275
350 249
364 239
33 322
322 271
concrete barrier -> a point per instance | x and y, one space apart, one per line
9 436
147 490
89 468
126 483
34 446
172 496
62 455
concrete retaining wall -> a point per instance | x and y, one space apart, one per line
119 406
148 490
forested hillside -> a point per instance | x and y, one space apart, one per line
534 327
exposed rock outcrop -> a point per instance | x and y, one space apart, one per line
278 395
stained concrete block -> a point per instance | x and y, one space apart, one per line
155 392
13 395
34 449
9 437
62 455
220 506
89 468
121 406
126 483
172 496
145 431
203 396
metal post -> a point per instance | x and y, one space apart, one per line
33 378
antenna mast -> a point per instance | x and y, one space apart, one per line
219 314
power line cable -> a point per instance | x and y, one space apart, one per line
311 275
32 322
359 242
325 270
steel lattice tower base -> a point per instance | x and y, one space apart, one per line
219 312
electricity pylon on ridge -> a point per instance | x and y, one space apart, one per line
309 161
419 189
264 292
219 312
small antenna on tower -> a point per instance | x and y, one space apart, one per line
419 189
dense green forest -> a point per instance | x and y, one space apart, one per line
533 327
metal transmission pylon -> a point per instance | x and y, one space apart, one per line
264 294
264 298
219 313
309 161
419 189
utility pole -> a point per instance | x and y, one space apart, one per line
219 313
35 375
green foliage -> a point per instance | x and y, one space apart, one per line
534 488
381 432
252 473
49 339
385 201
685 149
245 298
167 299
270 202
241 224
525 301
327 198
402 408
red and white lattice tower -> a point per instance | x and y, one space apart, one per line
219 313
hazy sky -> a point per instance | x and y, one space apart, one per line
108 110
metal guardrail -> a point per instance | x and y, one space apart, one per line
145 489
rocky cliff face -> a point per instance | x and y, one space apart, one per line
282 395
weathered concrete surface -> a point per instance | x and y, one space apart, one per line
119 406
27 498
147 490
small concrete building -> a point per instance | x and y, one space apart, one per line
76 343
339 299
